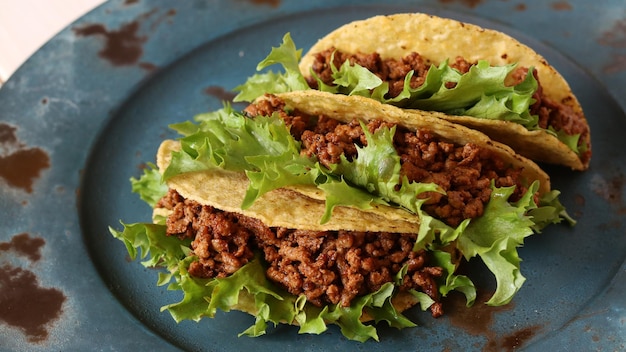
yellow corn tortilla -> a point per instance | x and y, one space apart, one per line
438 39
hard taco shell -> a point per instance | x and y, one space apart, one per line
438 39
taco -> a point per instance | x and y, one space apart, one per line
310 208
480 78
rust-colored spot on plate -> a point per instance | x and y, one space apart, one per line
478 321
148 66
615 38
617 64
610 189
122 46
220 93
520 7
20 165
514 340
561 6
468 3
26 305
272 3
24 245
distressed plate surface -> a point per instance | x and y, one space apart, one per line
85 113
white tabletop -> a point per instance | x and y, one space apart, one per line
25 25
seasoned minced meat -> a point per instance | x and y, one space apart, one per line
221 244
337 266
464 172
551 113
325 266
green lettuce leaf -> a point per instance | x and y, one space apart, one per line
451 281
496 236
271 83
272 173
375 176
378 305
572 141
226 140
353 80
549 211
376 169
149 186
481 92
154 247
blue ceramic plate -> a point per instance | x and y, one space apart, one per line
88 110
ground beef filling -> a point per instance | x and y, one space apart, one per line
553 114
464 172
328 267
